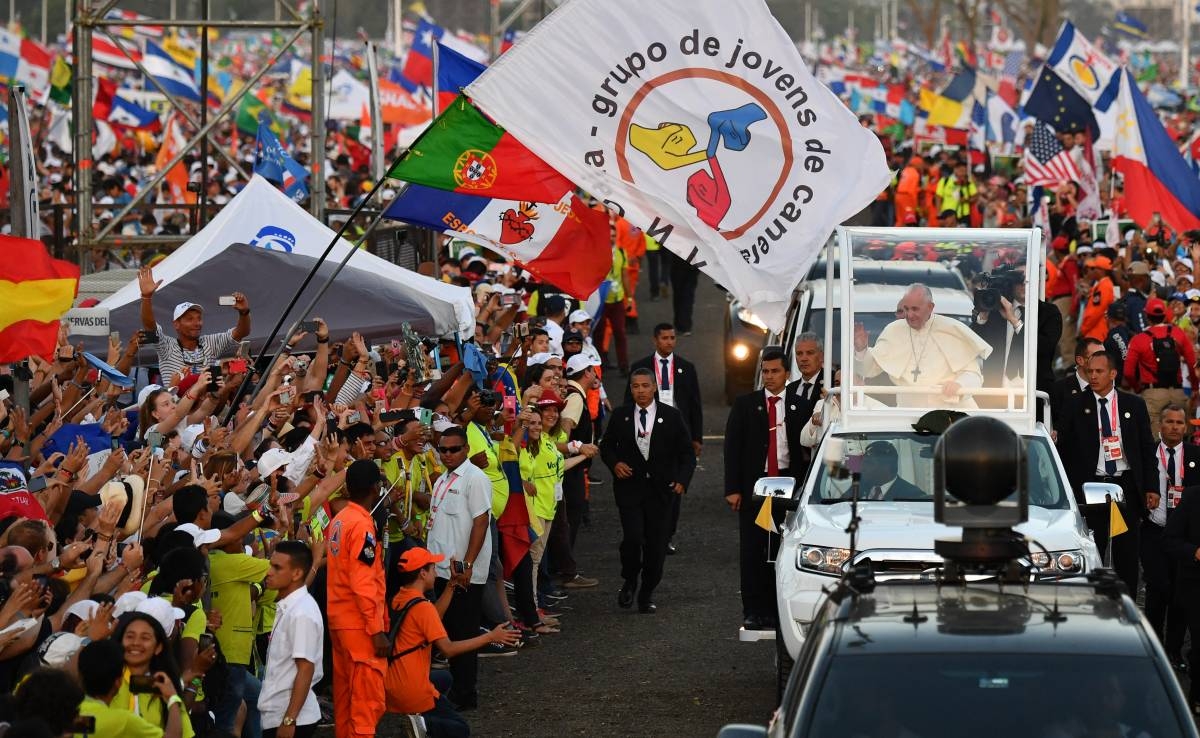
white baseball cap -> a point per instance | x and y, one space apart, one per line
579 316
272 459
60 648
84 609
128 602
162 611
183 307
199 535
538 358
146 392
577 363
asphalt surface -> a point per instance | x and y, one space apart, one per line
681 671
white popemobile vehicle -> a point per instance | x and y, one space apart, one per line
869 419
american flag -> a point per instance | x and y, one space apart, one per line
1046 161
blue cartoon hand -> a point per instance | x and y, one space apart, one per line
733 127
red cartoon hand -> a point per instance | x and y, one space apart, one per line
709 194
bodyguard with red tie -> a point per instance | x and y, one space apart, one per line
756 446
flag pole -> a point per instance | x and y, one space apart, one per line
434 48
376 113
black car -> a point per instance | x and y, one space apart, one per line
980 659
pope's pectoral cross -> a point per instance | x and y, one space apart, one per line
916 372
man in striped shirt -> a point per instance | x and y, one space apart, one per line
190 349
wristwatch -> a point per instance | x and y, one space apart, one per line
288 721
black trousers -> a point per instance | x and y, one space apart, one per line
1163 609
1125 548
654 263
462 621
645 523
302 731
757 555
523 594
676 504
683 292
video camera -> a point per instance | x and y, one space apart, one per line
993 285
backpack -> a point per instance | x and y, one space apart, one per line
397 619
1166 356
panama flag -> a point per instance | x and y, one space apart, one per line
1157 179
565 244
176 79
24 61
1082 66
703 126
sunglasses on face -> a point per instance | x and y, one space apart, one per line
449 449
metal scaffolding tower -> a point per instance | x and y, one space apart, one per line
90 19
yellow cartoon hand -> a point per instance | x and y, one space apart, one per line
669 146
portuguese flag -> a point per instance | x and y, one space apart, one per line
464 152
35 292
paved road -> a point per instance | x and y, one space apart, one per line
614 672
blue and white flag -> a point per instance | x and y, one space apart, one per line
275 164
131 115
1084 67
1001 120
175 78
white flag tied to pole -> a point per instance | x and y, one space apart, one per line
699 120
22 183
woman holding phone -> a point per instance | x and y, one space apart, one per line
150 686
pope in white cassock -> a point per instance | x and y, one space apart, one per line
923 350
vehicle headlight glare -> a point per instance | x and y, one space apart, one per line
823 559
741 351
746 316
1058 562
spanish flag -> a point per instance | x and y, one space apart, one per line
1116 521
35 291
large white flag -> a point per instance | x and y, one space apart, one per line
1084 67
699 120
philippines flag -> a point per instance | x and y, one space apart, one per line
455 72
565 244
176 79
1157 179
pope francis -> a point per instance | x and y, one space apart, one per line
923 350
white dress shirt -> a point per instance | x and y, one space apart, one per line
458 498
642 436
298 634
782 456
667 398
1158 515
1122 464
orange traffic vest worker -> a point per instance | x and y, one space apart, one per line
416 630
357 607
1094 323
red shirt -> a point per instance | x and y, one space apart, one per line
1141 365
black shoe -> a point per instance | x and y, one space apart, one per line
625 596
671 550
647 608
758 622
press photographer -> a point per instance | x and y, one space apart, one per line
997 318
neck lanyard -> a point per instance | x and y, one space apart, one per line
1112 411
439 496
486 436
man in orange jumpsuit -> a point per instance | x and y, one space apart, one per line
1095 313
357 607
908 190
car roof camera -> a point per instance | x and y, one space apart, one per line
979 475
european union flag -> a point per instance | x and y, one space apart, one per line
1055 103
275 164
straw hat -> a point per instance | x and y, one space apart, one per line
131 492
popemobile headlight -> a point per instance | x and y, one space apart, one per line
822 559
1058 562
740 351
744 315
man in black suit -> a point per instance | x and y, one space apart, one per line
647 448
1181 540
1104 436
880 481
1076 381
758 443
678 385
1178 468
804 394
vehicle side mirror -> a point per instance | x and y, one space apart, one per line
1097 493
780 489
742 731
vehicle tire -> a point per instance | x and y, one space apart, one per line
783 665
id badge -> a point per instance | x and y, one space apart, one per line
667 397
558 492
1174 495
1111 445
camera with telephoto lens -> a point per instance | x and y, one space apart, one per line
993 285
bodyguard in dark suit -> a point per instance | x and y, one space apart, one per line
647 447
1178 468
1076 380
1104 436
804 394
1182 542
678 385
758 440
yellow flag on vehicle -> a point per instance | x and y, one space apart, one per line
1116 522
764 519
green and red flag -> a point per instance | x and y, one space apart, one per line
38 290
462 151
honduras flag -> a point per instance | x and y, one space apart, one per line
175 78
276 165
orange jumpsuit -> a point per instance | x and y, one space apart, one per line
908 190
357 605
1095 313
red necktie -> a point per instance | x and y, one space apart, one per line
772 443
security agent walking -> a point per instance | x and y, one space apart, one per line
760 432
1104 436
1178 468
1181 540
678 385
648 449
804 395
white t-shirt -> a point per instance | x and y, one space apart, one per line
458 498
298 634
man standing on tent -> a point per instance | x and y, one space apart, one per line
190 349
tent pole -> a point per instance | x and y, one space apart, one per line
265 372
